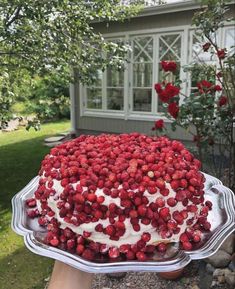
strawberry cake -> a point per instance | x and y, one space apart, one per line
120 197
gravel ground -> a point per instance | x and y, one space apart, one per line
192 279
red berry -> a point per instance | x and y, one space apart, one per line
146 237
80 249
161 247
141 256
171 202
114 252
54 242
187 246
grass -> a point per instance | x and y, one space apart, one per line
20 155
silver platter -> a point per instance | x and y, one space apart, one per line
222 219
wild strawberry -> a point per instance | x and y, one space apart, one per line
171 202
187 246
207 226
70 244
142 210
31 202
160 202
175 184
160 184
80 249
110 230
130 255
164 213
114 252
141 256
171 225
146 237
161 247
124 248
54 242
208 204
88 254
184 237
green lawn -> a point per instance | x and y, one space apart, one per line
20 155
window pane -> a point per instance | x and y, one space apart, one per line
115 78
142 74
168 76
143 49
230 40
170 47
197 51
94 98
98 78
142 99
115 98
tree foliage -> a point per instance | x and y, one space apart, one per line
39 36
42 35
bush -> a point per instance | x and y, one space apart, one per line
49 98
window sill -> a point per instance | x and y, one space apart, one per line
121 115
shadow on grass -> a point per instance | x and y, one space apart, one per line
24 270
19 163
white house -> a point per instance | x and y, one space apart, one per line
126 101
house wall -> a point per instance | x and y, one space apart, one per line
149 22
111 122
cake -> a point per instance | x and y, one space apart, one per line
120 197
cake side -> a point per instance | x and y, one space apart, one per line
121 196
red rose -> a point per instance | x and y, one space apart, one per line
171 90
158 88
221 53
169 66
204 84
223 100
206 46
164 97
217 88
159 124
173 109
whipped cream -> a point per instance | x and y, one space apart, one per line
130 236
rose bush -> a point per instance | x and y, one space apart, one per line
207 113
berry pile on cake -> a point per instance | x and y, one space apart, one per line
120 197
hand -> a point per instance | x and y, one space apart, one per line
67 277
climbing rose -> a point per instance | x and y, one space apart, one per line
217 88
206 46
159 124
169 66
173 109
204 86
165 94
223 100
158 87
221 53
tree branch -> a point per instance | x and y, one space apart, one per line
15 16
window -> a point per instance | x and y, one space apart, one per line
229 42
107 93
94 93
130 94
169 50
142 71
115 89
205 62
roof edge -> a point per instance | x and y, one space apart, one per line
169 8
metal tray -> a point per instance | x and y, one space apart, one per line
221 217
